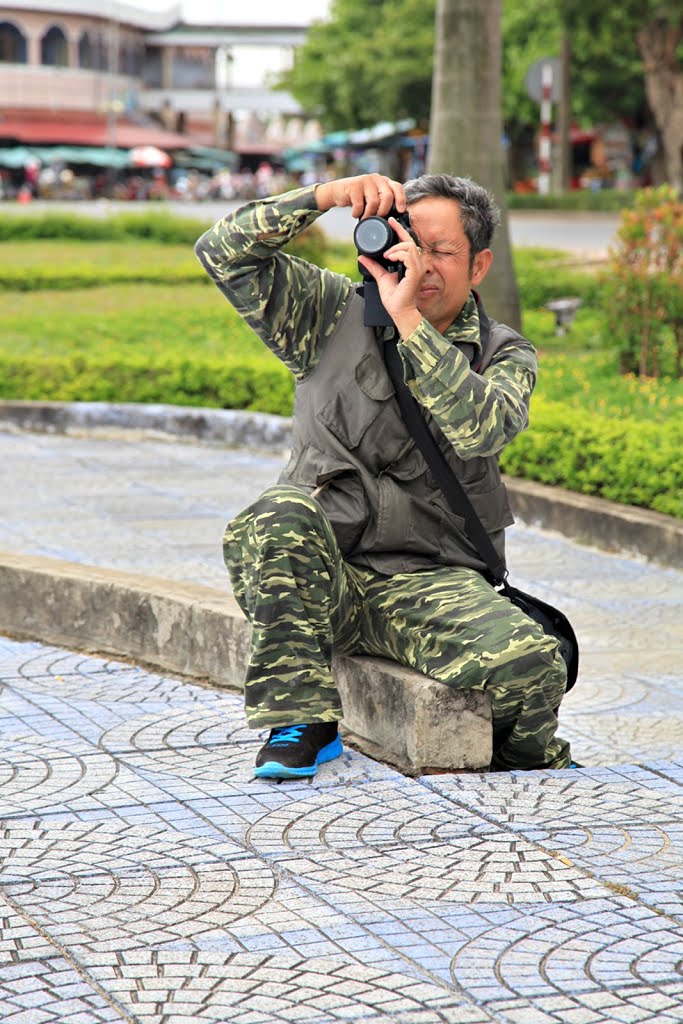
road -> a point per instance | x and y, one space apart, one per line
586 233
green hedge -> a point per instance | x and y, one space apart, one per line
162 227
157 226
72 276
38 260
182 345
624 460
229 383
608 200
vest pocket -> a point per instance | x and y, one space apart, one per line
337 488
491 506
357 402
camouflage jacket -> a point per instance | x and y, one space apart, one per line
350 446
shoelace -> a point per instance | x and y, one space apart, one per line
286 734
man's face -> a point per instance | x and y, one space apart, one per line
446 253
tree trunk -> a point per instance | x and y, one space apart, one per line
466 129
658 41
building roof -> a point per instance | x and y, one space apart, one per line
118 10
82 128
187 34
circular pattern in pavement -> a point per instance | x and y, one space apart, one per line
390 847
118 884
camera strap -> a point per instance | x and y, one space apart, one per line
552 620
453 490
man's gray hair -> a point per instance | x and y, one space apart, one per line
478 210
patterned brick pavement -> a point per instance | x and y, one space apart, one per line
149 878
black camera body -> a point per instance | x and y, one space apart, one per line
372 237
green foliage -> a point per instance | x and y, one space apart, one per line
153 320
584 334
589 380
368 62
607 70
531 30
372 60
642 290
233 382
311 245
68 263
607 200
544 274
182 343
624 460
159 226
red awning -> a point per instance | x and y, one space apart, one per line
82 128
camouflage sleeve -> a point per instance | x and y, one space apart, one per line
478 413
292 305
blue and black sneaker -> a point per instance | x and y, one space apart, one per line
295 751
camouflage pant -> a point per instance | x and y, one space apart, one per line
305 602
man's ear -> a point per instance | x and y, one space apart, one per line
480 267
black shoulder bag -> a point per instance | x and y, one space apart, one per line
551 620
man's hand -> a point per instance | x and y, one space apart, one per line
367 195
399 297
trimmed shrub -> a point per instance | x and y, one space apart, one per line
230 383
624 460
642 290
603 200
156 225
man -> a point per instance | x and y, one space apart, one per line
355 550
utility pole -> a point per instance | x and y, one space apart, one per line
564 114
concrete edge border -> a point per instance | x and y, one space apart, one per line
589 520
394 715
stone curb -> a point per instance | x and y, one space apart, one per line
589 520
394 715
77 419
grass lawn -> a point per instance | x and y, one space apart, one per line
143 318
69 264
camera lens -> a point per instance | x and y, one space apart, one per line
372 236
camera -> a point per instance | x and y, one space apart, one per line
372 237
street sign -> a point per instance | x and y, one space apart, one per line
533 79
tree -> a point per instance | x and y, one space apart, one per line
371 61
466 129
655 29
660 41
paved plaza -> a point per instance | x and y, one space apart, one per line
147 877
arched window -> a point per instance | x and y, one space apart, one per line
86 54
53 48
101 55
12 44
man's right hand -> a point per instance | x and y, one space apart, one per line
367 194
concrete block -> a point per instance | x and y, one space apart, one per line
411 721
393 714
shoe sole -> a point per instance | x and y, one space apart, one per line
275 770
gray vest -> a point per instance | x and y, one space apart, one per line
353 452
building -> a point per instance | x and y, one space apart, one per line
85 74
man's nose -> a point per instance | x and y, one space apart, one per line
428 261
